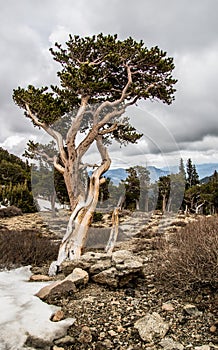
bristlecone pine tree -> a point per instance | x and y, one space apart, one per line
100 77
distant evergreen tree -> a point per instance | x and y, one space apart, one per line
180 185
192 175
164 192
144 179
15 182
60 188
18 195
132 186
195 176
182 169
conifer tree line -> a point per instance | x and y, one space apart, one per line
180 191
15 182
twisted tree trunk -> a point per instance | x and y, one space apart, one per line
115 226
81 217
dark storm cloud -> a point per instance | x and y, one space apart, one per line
187 30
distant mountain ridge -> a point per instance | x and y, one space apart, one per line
206 169
119 174
203 170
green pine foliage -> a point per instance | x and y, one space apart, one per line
15 179
132 186
192 175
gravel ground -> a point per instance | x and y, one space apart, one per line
105 316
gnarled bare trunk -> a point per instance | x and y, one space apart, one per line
81 217
115 226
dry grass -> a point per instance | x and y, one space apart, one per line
25 247
190 259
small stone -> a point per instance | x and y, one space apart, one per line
102 335
121 255
67 340
120 329
40 278
169 344
58 316
192 310
203 347
85 335
43 292
78 276
112 333
167 307
108 277
213 329
55 347
99 267
151 326
107 343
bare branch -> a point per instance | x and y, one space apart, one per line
108 130
72 132
102 180
110 116
123 94
59 139
33 116
102 148
57 165
87 165
93 63
44 155
55 134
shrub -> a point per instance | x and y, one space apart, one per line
97 217
25 247
190 259
10 212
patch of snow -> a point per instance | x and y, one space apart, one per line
45 205
24 314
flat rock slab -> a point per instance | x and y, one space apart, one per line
170 344
151 326
68 285
115 269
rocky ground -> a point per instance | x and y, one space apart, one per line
113 311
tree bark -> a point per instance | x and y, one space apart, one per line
81 217
115 226
53 199
146 202
164 203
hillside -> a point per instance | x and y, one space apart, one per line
204 170
12 168
119 174
15 182
11 158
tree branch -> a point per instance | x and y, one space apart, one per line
72 132
123 94
57 165
108 130
55 134
86 165
93 63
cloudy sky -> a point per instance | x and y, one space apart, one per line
187 30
